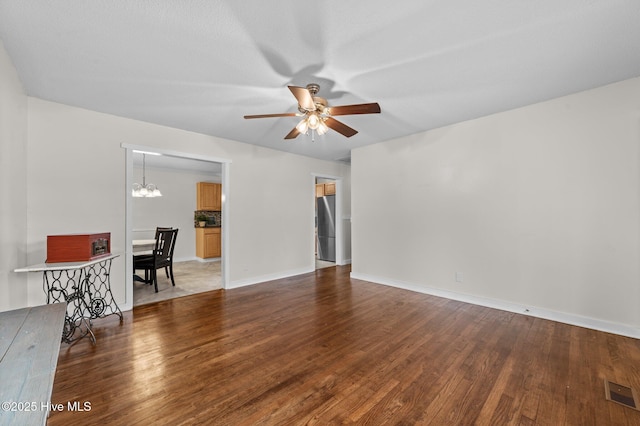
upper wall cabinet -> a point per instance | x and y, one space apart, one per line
330 188
209 196
323 189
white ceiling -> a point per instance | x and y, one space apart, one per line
201 65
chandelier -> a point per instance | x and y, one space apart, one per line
145 190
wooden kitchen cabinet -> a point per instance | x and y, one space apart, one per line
323 189
208 196
208 242
330 188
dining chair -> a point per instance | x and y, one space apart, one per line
162 257
170 266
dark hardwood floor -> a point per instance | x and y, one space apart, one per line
324 349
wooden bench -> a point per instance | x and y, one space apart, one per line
29 347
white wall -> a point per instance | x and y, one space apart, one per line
346 217
174 209
537 207
13 186
76 181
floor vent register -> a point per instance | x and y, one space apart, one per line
624 395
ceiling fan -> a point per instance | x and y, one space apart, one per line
318 115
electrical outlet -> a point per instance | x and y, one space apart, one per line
459 277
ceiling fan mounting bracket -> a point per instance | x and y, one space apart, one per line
313 88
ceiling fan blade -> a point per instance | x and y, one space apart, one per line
305 100
372 108
340 127
292 134
284 114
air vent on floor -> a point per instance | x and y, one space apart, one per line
621 394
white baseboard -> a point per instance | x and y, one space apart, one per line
183 259
211 259
197 259
572 319
124 307
268 277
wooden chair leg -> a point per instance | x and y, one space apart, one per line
154 274
172 280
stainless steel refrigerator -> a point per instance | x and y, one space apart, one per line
326 210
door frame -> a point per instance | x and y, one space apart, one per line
129 179
339 226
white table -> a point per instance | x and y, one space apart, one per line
142 246
29 347
86 288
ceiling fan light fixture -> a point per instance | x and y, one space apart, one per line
303 125
317 115
322 128
313 121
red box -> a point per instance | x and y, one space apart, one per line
77 247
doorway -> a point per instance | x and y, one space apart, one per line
183 166
327 230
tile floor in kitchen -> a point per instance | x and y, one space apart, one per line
191 277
